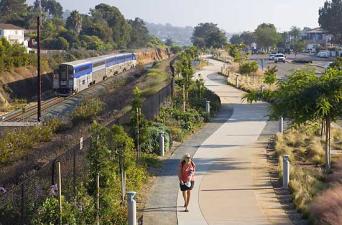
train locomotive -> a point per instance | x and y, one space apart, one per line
73 77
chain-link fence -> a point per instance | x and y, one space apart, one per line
19 204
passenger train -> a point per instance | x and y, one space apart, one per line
73 77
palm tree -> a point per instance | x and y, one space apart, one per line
74 21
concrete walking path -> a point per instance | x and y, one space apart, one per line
232 185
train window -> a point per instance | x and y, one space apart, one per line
83 68
97 64
63 72
70 70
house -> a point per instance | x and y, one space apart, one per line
13 33
316 38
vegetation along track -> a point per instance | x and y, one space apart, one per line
27 112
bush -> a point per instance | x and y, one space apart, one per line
151 143
48 213
199 103
88 110
327 207
248 67
17 143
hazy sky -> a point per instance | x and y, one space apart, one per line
230 15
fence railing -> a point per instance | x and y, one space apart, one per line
18 204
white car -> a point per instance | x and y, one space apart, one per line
323 54
280 58
271 56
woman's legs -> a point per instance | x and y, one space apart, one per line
185 198
188 193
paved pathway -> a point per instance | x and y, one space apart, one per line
232 185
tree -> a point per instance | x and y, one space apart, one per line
270 76
216 39
236 51
266 36
139 36
304 97
13 11
96 27
235 39
169 42
298 46
184 67
295 33
74 22
51 7
248 38
116 22
330 18
208 35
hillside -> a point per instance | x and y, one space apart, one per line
179 35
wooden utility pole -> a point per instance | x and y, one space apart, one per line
138 112
39 79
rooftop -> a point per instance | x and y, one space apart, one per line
7 26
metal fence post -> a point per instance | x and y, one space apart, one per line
281 125
162 144
132 208
22 210
237 81
74 172
60 192
207 107
286 171
98 199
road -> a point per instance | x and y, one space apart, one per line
284 69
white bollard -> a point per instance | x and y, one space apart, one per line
162 144
207 107
286 171
281 125
132 208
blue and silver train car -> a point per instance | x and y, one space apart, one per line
73 77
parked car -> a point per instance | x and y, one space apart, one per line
323 54
271 56
279 58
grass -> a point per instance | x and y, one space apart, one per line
327 207
308 181
155 79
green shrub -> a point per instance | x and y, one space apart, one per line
248 67
17 143
177 134
48 213
88 110
151 143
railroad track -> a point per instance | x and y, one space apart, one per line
25 114
28 112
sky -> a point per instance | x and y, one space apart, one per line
231 15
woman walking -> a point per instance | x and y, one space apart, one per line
186 177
